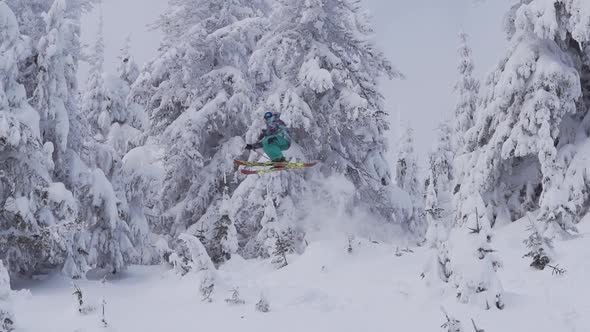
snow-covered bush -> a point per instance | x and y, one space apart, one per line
235 298
82 305
452 324
127 69
199 257
141 175
109 245
262 305
207 286
473 262
283 246
538 245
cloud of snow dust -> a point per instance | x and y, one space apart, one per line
333 215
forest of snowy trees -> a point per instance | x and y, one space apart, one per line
138 167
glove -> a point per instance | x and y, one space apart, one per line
249 147
272 140
262 135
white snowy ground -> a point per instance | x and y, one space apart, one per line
326 289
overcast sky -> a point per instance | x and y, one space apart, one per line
419 36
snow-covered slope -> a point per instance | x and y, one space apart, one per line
325 289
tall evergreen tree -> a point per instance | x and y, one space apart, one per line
565 198
406 177
224 241
30 17
467 90
107 213
199 96
135 178
318 69
127 69
95 103
527 136
440 161
56 84
48 224
438 203
24 165
37 221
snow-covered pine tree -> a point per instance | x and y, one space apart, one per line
56 84
473 263
566 185
6 315
527 143
127 69
283 246
55 236
538 246
30 202
128 119
24 166
110 244
76 154
528 134
452 324
199 97
440 163
139 179
29 14
120 125
200 263
114 123
439 204
235 298
95 103
317 67
224 241
262 305
467 90
470 262
198 254
406 177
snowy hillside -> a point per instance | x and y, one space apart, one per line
325 289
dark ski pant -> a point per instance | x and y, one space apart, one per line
274 146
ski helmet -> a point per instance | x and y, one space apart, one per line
268 115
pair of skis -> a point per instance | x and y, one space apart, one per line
270 166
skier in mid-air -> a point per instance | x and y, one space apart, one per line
274 139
